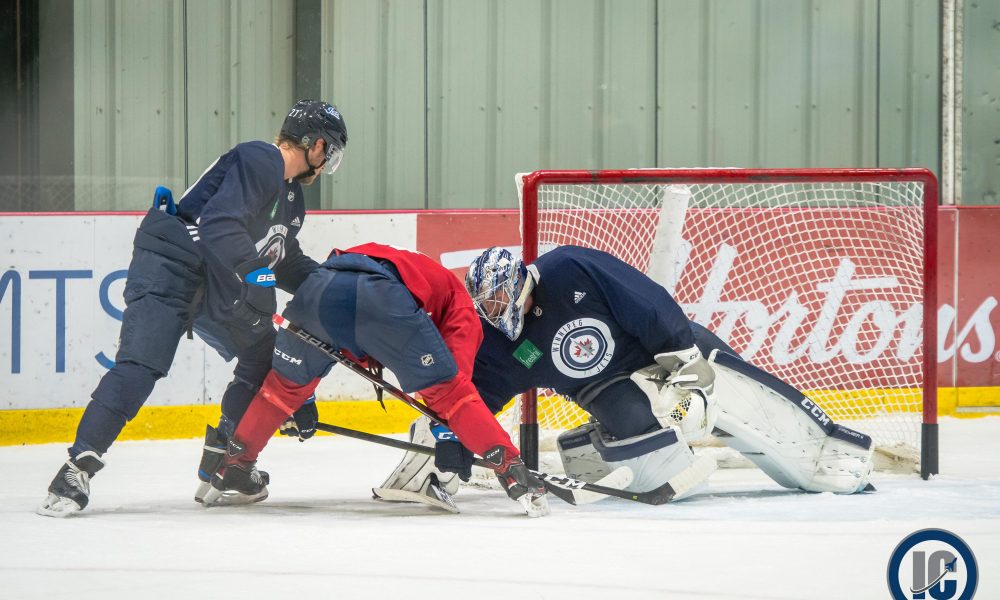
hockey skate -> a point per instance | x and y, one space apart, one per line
211 463
238 482
69 492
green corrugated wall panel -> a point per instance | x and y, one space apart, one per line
602 85
909 84
240 73
682 83
462 102
373 69
627 90
769 83
784 106
843 74
981 118
512 89
523 67
128 102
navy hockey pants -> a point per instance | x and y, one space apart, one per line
163 283
356 303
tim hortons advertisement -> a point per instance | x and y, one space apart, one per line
837 304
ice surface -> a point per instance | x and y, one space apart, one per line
320 535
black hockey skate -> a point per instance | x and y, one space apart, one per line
211 462
238 481
519 483
69 492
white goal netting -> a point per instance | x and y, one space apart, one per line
817 277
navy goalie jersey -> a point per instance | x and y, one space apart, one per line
593 317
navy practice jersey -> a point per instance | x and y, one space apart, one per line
593 317
244 208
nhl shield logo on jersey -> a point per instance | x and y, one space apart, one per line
582 348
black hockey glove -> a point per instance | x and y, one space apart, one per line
302 423
450 456
256 303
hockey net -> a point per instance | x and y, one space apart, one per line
821 277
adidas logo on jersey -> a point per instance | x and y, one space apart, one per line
296 222
577 296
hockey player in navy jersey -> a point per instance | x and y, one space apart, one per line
208 265
601 333
406 312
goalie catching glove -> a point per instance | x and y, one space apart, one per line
256 303
680 388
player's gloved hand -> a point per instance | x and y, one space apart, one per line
302 423
256 303
450 456
686 369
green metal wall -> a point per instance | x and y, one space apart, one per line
478 90
445 100
981 107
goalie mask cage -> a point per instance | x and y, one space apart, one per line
823 277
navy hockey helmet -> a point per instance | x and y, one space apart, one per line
310 120
499 285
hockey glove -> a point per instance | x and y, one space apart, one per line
256 303
302 423
686 369
450 456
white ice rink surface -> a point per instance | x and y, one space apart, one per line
320 535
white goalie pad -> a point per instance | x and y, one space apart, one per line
414 470
784 433
656 458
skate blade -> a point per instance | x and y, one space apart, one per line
440 498
203 488
216 497
58 507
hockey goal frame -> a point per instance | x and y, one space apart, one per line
530 184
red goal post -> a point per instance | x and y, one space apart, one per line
824 277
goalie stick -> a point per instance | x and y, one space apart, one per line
561 487
618 479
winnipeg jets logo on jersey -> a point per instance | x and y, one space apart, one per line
582 348
577 296
272 245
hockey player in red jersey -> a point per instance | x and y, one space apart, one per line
408 313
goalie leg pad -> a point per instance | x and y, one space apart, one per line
654 458
414 470
784 433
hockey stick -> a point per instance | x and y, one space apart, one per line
620 477
660 495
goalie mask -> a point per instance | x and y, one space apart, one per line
499 285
